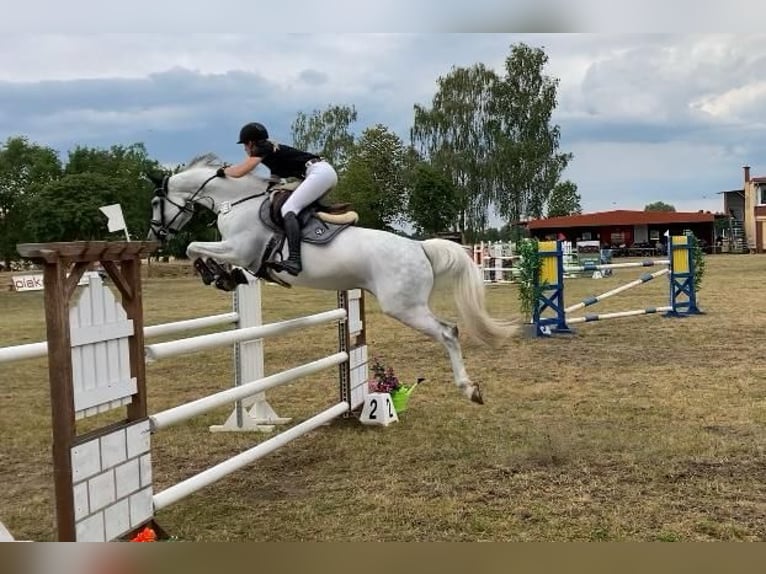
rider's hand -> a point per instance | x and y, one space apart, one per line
220 172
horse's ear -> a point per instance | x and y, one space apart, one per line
154 178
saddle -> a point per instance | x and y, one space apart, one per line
320 223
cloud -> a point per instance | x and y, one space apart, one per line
743 104
313 77
648 117
333 16
630 175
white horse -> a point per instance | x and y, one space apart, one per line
400 272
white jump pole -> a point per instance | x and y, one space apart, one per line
602 316
595 299
190 324
193 344
186 411
39 350
215 473
21 352
602 266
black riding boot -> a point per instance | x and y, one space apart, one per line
293 232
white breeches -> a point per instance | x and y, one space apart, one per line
320 179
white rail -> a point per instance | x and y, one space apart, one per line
602 266
190 324
21 352
210 476
595 299
617 314
193 344
37 350
186 411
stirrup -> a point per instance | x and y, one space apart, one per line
290 265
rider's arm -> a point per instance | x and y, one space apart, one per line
241 169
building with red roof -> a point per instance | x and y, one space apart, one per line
624 230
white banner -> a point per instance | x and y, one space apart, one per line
27 282
35 282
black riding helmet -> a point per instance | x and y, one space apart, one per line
253 132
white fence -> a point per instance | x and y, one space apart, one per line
111 490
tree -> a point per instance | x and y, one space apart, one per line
452 135
358 188
326 133
375 178
526 162
434 201
564 200
494 137
66 209
125 168
24 168
659 206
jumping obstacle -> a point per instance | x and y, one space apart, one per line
253 414
97 362
682 300
490 257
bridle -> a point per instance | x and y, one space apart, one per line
162 228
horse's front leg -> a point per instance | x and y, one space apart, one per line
224 251
211 271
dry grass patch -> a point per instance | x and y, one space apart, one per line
633 429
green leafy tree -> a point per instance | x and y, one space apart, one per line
564 200
491 234
526 162
326 132
434 201
494 137
358 188
452 135
375 178
659 206
24 168
125 168
66 209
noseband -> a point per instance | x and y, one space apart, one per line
162 228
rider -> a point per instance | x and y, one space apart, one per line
319 177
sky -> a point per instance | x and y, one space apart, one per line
669 116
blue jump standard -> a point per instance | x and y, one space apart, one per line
682 293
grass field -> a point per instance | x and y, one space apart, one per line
635 429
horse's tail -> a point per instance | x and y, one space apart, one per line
452 265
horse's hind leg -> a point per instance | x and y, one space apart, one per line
422 319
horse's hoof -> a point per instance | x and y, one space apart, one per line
225 283
476 396
204 271
239 277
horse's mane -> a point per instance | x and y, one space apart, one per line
210 160
203 160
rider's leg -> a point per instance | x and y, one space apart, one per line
320 178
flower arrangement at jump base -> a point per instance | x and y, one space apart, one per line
385 381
